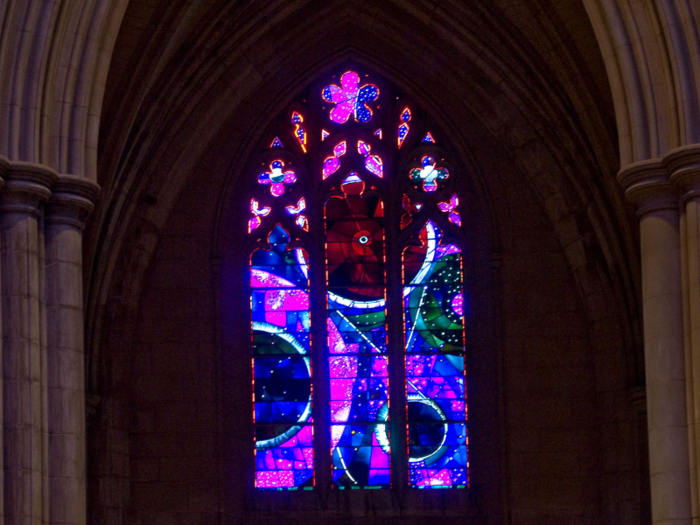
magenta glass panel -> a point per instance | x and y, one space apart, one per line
358 364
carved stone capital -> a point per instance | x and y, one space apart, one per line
72 200
27 186
647 185
683 165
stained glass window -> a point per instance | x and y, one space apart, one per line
357 297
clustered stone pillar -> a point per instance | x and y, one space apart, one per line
683 165
43 397
70 203
667 193
647 185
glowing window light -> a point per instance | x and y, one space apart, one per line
450 208
277 178
429 174
332 163
350 99
404 128
299 131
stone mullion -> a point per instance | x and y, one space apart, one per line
319 343
70 204
27 188
4 171
647 185
396 347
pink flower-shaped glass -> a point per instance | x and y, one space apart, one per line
277 177
350 99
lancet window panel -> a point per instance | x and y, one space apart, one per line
357 298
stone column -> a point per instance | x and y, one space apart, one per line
4 170
648 186
27 188
71 202
684 167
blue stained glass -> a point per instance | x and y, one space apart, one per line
434 309
281 367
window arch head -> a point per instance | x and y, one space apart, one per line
356 296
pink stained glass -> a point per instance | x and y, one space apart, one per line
350 99
340 149
458 304
373 163
332 163
258 213
363 148
277 177
451 209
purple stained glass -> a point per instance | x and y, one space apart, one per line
278 178
350 99
357 362
435 379
258 213
332 163
451 209
373 163
279 299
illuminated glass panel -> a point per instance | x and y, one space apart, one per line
404 127
258 213
429 174
357 360
450 208
279 299
410 208
434 309
277 178
373 163
299 131
350 99
332 163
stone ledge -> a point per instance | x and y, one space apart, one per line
72 200
683 166
27 185
647 185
